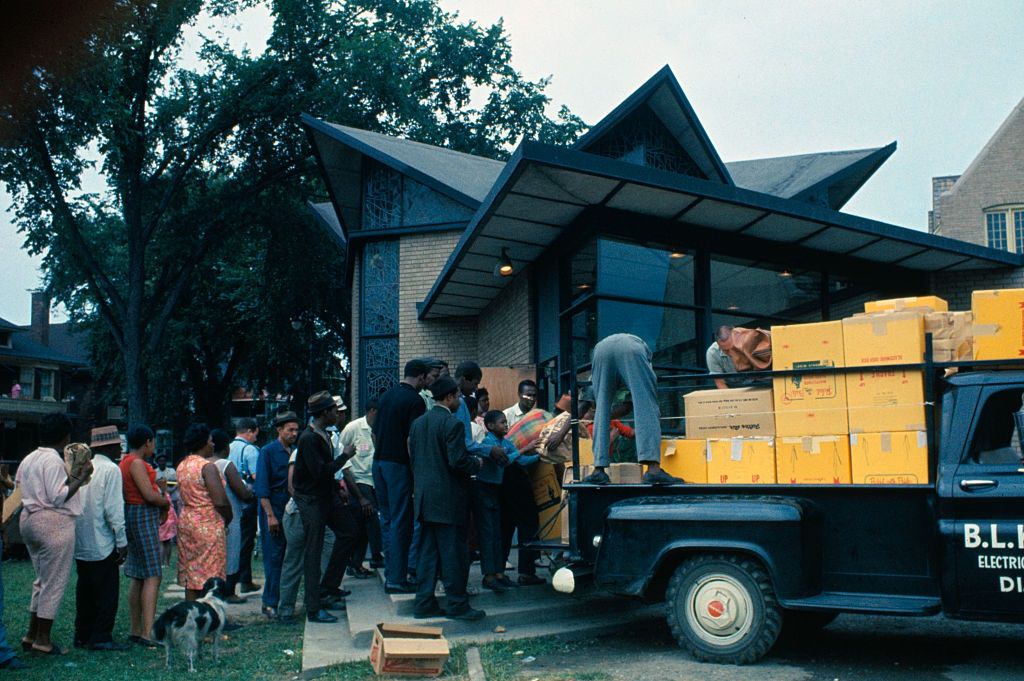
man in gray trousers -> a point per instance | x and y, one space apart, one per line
625 355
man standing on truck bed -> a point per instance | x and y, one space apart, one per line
625 355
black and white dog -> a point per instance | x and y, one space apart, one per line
186 624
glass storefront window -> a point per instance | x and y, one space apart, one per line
765 290
583 271
657 275
670 333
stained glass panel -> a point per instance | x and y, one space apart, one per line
643 139
380 288
424 206
382 197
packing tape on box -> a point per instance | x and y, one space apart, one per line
736 453
986 329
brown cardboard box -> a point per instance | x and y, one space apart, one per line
811 404
734 412
408 650
547 494
821 460
625 473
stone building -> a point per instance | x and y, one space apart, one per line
638 227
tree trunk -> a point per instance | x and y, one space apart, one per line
135 380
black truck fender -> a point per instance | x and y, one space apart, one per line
647 538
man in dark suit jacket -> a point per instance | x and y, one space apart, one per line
442 468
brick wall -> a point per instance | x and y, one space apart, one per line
506 330
354 350
421 259
956 288
995 177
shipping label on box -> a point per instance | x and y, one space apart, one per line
810 404
547 494
899 458
880 339
885 400
408 650
923 303
741 461
998 324
734 412
686 459
821 460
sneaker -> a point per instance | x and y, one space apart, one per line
661 478
494 584
599 477
248 588
467 615
531 580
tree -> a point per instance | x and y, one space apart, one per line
191 146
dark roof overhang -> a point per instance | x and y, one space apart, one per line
543 189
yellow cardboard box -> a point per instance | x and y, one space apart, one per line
741 461
895 458
998 324
586 451
885 400
820 460
734 412
686 459
813 404
930 303
880 339
547 494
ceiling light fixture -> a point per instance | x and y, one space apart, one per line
504 267
785 274
675 255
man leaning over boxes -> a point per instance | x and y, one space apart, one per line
627 356
735 350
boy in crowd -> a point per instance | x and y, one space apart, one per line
487 502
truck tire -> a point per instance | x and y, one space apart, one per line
723 609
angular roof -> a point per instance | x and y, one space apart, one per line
1007 129
328 218
8 326
24 347
828 178
70 340
663 95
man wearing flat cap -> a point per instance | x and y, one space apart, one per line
101 545
442 467
270 486
318 498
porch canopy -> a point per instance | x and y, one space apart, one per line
545 190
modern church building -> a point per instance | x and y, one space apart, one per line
638 227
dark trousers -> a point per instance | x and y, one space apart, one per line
317 515
249 514
393 485
519 513
97 595
273 548
444 545
370 529
489 535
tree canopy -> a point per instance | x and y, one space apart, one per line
196 253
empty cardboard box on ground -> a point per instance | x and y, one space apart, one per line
919 303
882 399
686 459
734 412
998 324
813 460
809 404
408 650
899 458
741 461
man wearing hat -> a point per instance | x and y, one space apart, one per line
271 490
101 545
318 498
441 477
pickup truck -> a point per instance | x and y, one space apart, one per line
734 564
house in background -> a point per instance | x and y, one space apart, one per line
44 368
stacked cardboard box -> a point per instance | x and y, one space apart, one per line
998 324
686 459
889 458
741 461
809 404
952 335
734 412
919 303
813 460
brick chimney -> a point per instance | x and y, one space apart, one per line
40 328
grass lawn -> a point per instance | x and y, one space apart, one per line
254 652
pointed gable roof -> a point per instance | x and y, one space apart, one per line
828 178
665 98
1011 130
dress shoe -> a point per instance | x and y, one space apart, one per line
268 611
235 599
249 588
332 604
598 477
531 580
661 478
506 582
360 572
13 665
335 593
405 588
467 615
322 617
110 646
429 613
376 563
494 584
144 642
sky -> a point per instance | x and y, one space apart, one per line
765 78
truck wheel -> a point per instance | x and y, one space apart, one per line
723 609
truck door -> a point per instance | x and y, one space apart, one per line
988 503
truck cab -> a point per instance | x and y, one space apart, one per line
734 563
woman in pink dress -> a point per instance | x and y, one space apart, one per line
205 512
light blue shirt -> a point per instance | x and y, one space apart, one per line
492 472
245 456
473 447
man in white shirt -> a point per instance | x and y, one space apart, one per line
527 401
100 545
244 453
358 436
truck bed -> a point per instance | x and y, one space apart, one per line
868 540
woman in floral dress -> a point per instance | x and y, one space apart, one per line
205 513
